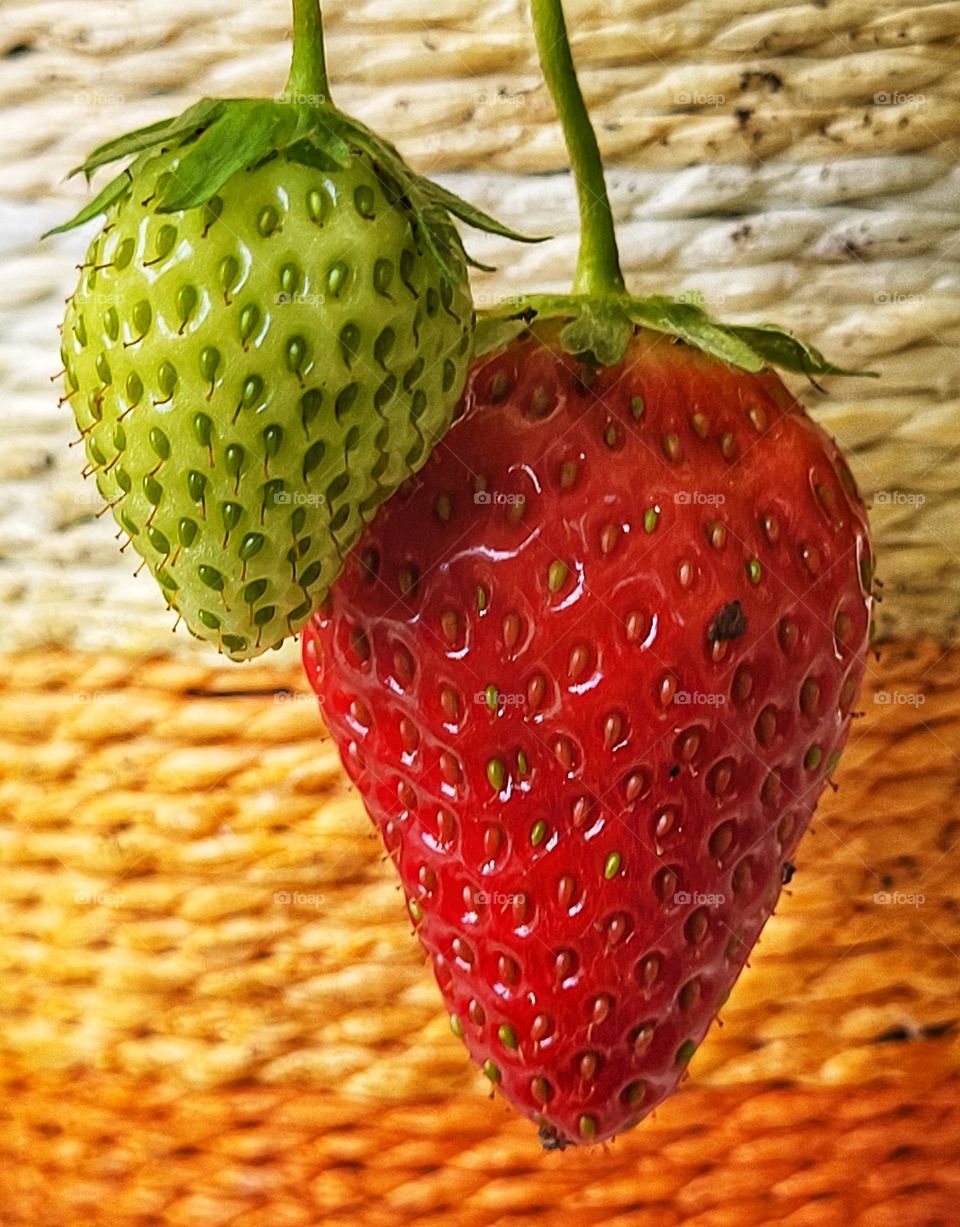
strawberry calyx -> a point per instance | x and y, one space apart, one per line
598 328
223 136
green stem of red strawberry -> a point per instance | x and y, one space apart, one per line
308 67
598 265
597 320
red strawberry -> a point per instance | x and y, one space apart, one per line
590 672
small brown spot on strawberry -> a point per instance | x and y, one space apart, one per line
672 448
476 1013
689 994
700 424
729 622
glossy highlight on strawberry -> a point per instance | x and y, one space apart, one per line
591 671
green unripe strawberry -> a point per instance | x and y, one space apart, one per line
270 332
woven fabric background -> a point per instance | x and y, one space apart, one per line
212 1011
796 161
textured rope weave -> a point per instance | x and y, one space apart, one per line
212 1007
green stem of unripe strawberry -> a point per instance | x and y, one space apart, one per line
308 68
598 265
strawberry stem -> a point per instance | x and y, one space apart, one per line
598 264
308 68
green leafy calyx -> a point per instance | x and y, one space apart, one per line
598 328
222 137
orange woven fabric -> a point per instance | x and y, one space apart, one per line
212 1010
